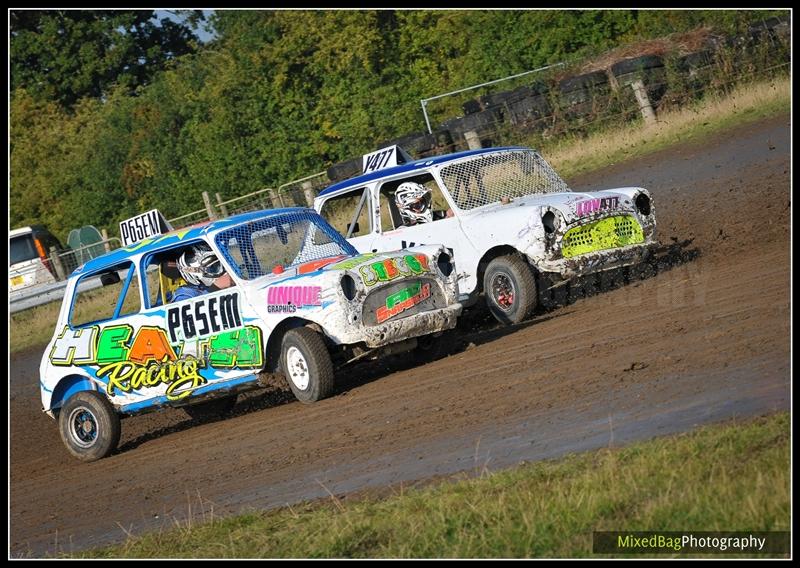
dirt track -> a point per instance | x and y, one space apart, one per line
703 340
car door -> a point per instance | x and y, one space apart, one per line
445 229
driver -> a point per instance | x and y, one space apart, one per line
202 271
413 200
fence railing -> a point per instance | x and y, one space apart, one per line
296 193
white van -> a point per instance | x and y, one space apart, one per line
28 257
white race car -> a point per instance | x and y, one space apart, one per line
300 300
514 225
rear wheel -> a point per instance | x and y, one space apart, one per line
509 285
307 365
90 427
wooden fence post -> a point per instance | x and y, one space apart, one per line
640 92
212 215
473 140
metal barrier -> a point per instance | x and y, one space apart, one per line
43 280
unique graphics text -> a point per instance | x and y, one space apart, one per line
288 299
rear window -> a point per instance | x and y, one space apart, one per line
22 249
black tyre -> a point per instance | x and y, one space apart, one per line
509 285
432 347
344 170
89 426
637 65
307 365
213 408
586 81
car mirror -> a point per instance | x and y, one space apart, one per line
354 228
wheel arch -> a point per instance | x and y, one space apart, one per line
490 255
67 387
273 351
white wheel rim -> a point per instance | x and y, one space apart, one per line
297 368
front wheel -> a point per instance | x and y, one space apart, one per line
307 364
90 427
509 285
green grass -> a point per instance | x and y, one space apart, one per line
717 478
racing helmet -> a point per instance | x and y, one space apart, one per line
198 265
414 202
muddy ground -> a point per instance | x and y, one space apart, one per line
702 338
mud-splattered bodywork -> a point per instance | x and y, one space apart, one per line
290 268
509 199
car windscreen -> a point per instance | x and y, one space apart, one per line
277 242
488 178
21 249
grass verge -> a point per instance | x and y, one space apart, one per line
727 477
572 156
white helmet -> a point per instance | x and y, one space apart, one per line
414 202
198 265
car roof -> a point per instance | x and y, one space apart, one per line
167 240
409 167
27 230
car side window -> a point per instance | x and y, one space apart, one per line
163 277
390 214
111 295
390 218
349 213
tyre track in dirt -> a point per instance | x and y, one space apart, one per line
705 339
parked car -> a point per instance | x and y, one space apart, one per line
29 262
512 222
301 302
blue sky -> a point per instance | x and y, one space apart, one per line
200 31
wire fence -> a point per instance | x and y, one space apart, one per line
573 100
296 193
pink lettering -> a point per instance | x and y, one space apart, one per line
294 295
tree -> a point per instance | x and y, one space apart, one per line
64 55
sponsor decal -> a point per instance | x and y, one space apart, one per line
353 262
131 361
392 268
402 300
288 299
205 316
589 206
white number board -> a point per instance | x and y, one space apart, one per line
383 158
142 226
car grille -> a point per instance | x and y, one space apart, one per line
608 233
402 299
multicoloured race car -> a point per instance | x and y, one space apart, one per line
513 223
301 301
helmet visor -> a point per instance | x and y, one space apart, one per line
420 204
